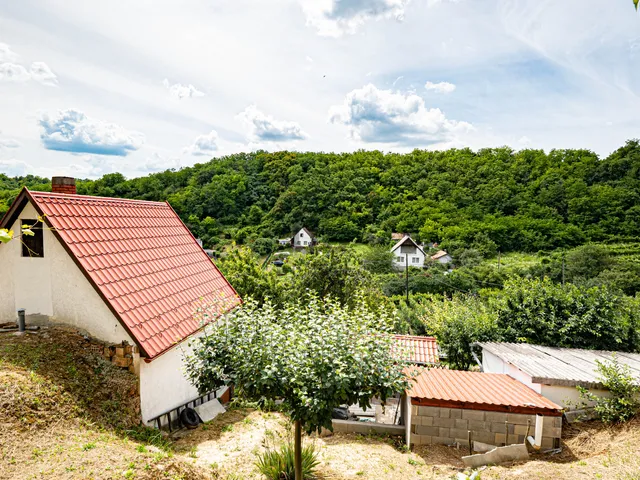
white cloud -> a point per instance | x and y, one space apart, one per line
179 90
441 87
397 80
524 141
264 128
93 166
12 72
204 144
8 142
15 168
159 163
384 116
6 54
41 73
72 131
334 18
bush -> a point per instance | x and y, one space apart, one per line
623 404
278 464
544 313
457 323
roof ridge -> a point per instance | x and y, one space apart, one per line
73 196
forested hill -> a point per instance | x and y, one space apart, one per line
527 200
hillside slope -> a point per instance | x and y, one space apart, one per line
67 413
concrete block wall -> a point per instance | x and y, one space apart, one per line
445 426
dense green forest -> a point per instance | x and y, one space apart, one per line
496 199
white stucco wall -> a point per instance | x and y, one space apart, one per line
301 237
53 289
493 364
163 384
399 260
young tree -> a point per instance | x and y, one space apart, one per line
314 356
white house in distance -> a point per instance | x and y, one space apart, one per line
551 371
304 238
442 257
407 252
120 270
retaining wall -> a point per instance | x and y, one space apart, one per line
445 426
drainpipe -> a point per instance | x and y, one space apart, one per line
21 322
475 357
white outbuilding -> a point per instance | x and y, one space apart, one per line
126 272
551 371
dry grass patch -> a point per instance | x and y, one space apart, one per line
66 413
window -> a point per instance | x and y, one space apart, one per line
301 234
415 260
298 242
32 245
399 259
305 242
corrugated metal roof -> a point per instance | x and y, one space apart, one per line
418 350
559 366
142 260
477 390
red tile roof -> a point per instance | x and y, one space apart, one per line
418 350
479 391
143 261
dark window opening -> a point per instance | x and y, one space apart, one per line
32 245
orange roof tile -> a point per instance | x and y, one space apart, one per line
418 350
142 260
477 390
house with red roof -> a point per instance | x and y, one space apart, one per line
120 270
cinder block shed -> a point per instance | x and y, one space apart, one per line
448 404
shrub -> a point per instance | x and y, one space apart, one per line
623 404
278 464
457 323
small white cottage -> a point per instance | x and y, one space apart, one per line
303 239
551 371
408 253
442 257
122 271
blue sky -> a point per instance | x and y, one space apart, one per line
88 88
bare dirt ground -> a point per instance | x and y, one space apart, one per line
65 413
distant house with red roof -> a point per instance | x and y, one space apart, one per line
119 269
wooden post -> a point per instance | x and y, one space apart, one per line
297 449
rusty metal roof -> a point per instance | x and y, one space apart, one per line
418 350
143 262
560 366
479 391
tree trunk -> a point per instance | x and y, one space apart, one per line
297 450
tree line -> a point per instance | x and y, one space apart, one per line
495 199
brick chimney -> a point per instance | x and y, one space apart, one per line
63 185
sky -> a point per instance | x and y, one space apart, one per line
89 88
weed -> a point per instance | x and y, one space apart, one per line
227 428
88 446
141 449
276 464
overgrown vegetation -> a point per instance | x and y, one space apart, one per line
624 401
